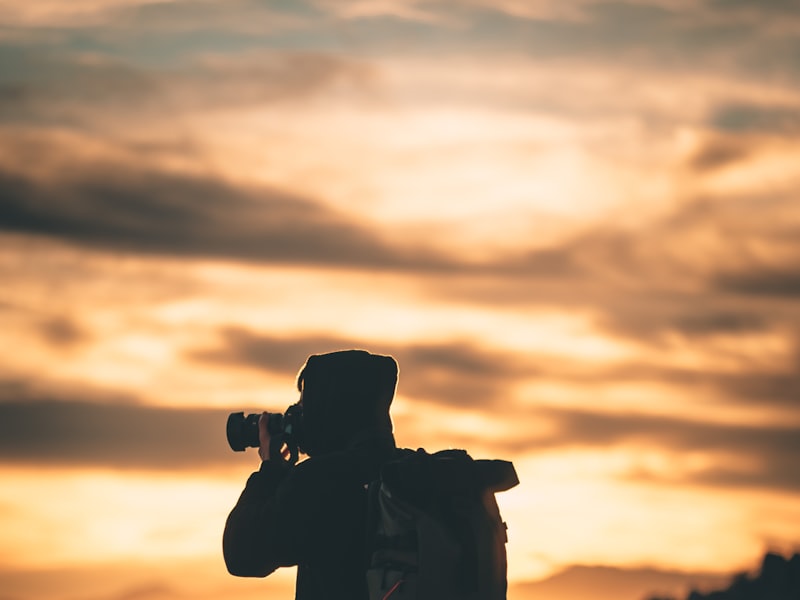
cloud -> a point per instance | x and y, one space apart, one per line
656 33
55 328
457 374
113 435
781 282
603 429
47 87
405 10
451 374
126 16
720 152
744 456
777 387
779 8
280 355
659 35
746 118
718 321
769 386
136 209
63 332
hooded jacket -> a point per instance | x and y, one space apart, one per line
313 514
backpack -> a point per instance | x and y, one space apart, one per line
434 530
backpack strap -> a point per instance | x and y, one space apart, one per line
373 489
373 511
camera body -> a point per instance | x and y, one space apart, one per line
284 430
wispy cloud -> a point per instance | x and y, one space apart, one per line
143 210
133 17
747 455
43 86
114 435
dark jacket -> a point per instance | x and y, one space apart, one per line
313 514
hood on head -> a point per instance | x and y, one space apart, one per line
345 394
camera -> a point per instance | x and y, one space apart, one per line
285 430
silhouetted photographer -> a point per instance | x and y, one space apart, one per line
362 519
313 514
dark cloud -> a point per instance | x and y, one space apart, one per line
772 386
781 282
161 35
717 153
459 374
777 472
56 87
451 374
130 208
781 8
604 429
763 456
52 87
718 321
560 263
778 387
61 331
12 94
284 356
698 322
69 433
660 319
748 118
248 18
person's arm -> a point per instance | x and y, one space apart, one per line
257 540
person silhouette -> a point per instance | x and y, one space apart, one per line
313 514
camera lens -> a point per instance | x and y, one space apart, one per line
242 431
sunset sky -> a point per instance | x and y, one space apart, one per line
575 224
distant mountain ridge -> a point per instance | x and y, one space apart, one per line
778 579
584 582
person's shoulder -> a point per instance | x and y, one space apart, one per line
336 466
321 465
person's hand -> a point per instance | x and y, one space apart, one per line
263 436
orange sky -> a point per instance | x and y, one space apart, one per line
574 224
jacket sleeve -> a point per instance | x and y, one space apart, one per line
261 531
